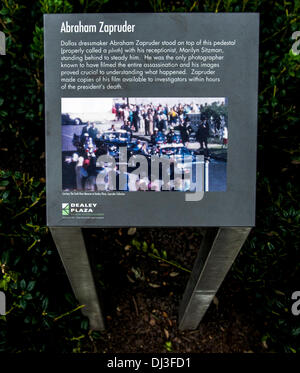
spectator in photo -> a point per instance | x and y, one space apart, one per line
75 158
194 108
156 150
202 134
114 111
92 173
85 130
139 144
183 132
118 110
173 115
144 149
158 122
121 113
147 124
112 128
136 118
153 137
155 119
164 121
186 110
93 131
88 144
78 167
142 120
68 172
126 127
84 173
225 137
130 115
170 135
166 111
151 121
85 142
188 128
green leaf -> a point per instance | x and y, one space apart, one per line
3 11
296 332
45 304
31 285
23 284
5 195
145 247
23 303
27 296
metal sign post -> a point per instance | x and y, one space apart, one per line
217 252
71 247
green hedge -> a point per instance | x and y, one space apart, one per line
42 313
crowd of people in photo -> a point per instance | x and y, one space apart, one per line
171 124
149 119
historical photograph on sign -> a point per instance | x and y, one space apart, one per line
144 144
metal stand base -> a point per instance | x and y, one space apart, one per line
71 247
217 253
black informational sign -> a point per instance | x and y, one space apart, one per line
151 119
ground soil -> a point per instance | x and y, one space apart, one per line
141 295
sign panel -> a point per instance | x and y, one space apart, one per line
151 119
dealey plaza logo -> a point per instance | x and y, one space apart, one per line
69 209
65 209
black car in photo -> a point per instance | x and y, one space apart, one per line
111 141
117 137
160 138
